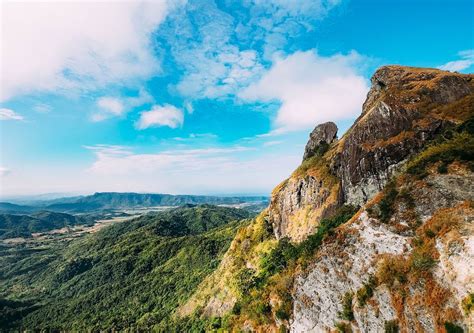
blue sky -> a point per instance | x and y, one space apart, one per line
197 96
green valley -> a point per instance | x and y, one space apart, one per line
132 274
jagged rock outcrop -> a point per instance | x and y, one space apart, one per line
320 137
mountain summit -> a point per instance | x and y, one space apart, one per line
372 231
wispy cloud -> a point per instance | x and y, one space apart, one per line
76 45
211 169
311 89
8 114
109 107
272 143
121 160
466 60
160 115
246 42
42 108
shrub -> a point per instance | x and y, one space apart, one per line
245 280
216 322
459 148
391 269
282 329
347 313
278 258
422 260
452 328
282 314
343 327
386 204
406 196
366 292
263 308
237 308
342 215
430 233
391 326
468 303
443 168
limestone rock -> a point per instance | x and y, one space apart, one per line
345 263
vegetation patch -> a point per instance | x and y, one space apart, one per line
366 292
391 326
453 145
453 328
347 313
343 327
468 304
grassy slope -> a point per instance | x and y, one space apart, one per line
129 275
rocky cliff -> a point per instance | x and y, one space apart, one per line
403 261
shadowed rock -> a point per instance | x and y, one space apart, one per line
319 139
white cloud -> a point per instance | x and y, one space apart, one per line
56 46
466 61
8 114
120 160
165 115
115 107
209 47
218 75
111 105
311 89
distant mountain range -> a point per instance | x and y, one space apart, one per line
116 200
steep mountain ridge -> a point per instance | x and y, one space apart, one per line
405 109
294 268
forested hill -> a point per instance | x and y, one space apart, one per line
12 225
132 274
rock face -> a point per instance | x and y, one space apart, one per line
346 263
303 201
323 134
